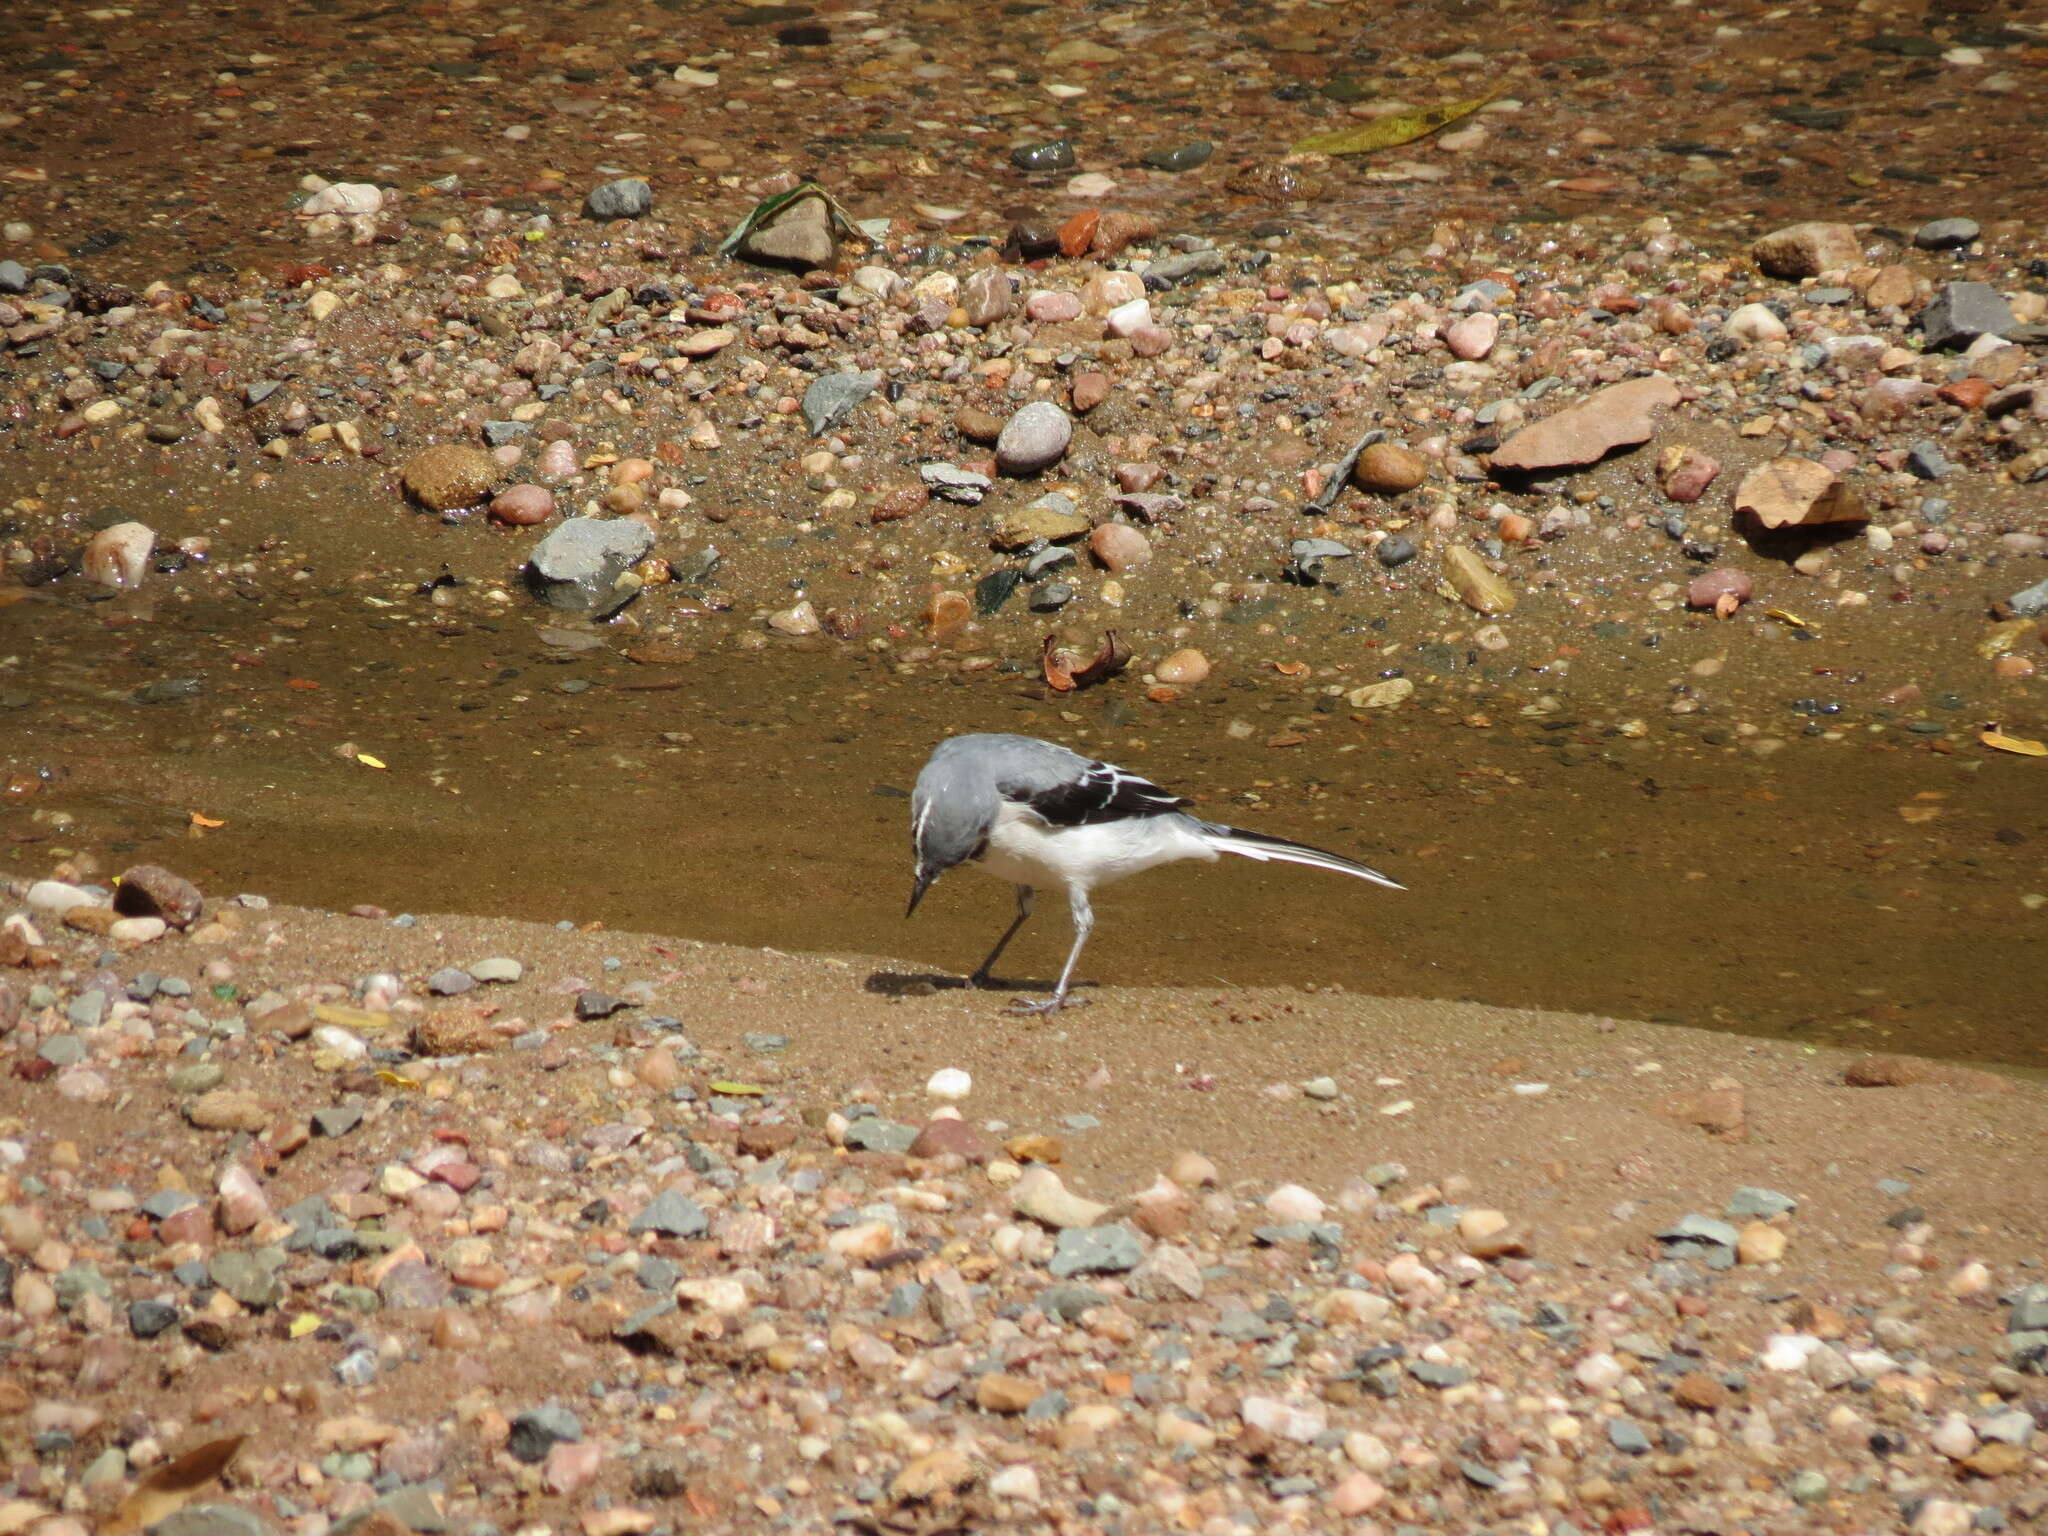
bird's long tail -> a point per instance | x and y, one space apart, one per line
1257 845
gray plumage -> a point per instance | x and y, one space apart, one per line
1039 815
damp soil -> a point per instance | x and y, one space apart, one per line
1862 884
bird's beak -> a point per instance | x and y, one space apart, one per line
918 886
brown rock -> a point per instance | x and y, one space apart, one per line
928 1477
149 890
1807 250
1090 390
1700 1392
1615 417
1719 1110
1475 582
1797 493
455 1032
1909 1071
946 615
977 425
448 476
897 503
999 1393
1034 1148
766 1140
1683 474
227 1109
88 919
1998 1459
1892 288
1389 469
1114 231
1183 668
947 1135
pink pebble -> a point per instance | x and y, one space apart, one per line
1934 542
1119 546
1151 340
1049 306
1709 587
1356 1494
571 1465
1473 337
1840 460
523 505
558 460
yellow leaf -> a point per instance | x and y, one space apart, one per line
305 1323
1790 620
396 1079
1993 737
199 820
368 761
1387 132
352 1018
171 1486
743 1090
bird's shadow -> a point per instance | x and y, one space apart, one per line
929 983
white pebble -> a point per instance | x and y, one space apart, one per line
949 1083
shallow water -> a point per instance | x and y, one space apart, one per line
1865 889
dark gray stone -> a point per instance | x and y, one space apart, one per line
1182 265
166 1202
211 1520
244 1276
1432 1374
148 1317
62 1050
2029 1311
872 1133
831 397
1052 155
337 1119
627 198
950 482
1945 234
13 277
535 1431
673 1214
1699 1229
1926 460
1183 157
1394 550
1751 1201
499 433
577 568
1627 1437
1096 1251
2030 602
1961 313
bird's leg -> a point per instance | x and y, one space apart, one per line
980 978
1084 919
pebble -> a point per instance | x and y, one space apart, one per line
118 556
626 198
449 477
1389 469
523 506
1034 439
949 1083
1946 234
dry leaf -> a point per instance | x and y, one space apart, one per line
1064 673
1993 737
205 821
171 1486
1291 668
1919 813
1387 132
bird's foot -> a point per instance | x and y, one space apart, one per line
1051 1004
982 980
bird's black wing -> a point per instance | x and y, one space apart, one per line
1099 792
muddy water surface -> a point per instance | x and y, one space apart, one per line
1859 884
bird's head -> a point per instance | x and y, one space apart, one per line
946 828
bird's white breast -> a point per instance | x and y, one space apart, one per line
1025 850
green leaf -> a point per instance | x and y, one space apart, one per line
768 207
1386 132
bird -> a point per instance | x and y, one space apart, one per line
1043 817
